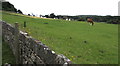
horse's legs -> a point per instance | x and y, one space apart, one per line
92 23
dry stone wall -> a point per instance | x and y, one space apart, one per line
28 50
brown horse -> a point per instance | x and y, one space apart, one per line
89 20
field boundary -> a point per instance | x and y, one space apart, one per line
28 50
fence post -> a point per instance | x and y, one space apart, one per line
17 43
24 24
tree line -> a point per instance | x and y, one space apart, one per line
96 18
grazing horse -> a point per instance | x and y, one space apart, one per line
89 20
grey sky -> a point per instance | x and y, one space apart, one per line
68 7
119 8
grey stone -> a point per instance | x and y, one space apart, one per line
29 50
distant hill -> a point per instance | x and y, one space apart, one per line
7 6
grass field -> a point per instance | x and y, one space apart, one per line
80 42
7 55
0 43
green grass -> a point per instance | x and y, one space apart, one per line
0 47
7 55
0 44
80 42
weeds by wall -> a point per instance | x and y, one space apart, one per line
28 50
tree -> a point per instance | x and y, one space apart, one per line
81 19
8 6
52 15
19 11
40 15
29 15
47 16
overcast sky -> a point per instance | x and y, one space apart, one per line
67 7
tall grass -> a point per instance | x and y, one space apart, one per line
7 55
